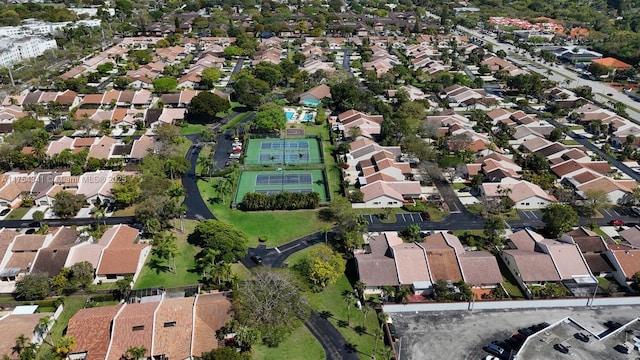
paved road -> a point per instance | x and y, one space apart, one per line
224 141
561 74
196 207
611 159
449 196
334 344
21 224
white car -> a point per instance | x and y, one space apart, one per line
491 357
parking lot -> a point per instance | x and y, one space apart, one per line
462 335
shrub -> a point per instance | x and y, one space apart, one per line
282 201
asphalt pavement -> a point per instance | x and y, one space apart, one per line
334 344
196 207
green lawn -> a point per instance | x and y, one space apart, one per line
72 305
330 301
509 283
185 263
17 214
191 129
278 227
301 344
295 258
475 232
234 122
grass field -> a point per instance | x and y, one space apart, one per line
249 182
272 152
17 213
72 305
157 274
191 129
301 344
234 122
331 303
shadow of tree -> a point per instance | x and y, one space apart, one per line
156 264
360 330
326 314
343 324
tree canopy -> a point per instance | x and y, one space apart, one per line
204 107
224 237
322 267
34 286
558 219
271 302
67 205
271 118
164 85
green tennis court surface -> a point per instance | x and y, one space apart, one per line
274 182
283 151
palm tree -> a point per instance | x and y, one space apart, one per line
360 286
65 345
42 328
205 164
223 187
366 309
348 297
100 214
21 342
136 352
207 262
325 230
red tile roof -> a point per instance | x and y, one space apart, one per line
212 312
133 327
92 330
173 328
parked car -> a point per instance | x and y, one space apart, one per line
635 210
582 337
616 222
5 212
563 349
465 189
526 331
542 325
256 259
496 350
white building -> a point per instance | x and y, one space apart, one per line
16 50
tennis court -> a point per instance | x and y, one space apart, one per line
283 151
274 182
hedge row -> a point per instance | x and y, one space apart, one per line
282 201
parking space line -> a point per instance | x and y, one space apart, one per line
403 218
412 219
617 213
533 213
607 212
525 214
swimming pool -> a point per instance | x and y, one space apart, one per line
308 117
289 114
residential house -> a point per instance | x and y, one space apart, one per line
313 96
382 194
52 258
169 327
494 167
525 195
593 248
369 125
23 320
626 262
123 255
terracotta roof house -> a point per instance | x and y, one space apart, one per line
525 195
91 328
173 324
617 191
212 311
480 268
313 96
122 255
442 257
625 260
612 63
133 326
